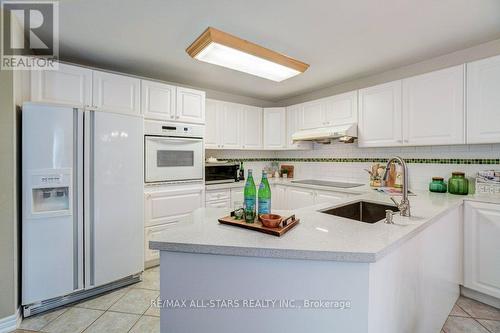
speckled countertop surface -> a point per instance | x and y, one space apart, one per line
318 236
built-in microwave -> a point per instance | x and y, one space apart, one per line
173 152
218 173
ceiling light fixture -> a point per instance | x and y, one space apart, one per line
220 48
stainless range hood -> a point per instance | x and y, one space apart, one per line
343 133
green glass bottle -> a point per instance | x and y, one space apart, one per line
264 195
250 198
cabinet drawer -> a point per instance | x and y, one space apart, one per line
219 204
215 195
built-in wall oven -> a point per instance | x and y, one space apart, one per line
173 152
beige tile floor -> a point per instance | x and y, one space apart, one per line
129 310
124 310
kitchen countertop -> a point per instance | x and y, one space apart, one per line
318 236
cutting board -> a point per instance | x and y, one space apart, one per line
290 222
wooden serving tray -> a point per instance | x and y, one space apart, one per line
287 224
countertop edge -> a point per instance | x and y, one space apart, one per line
354 257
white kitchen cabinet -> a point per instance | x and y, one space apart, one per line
230 125
164 207
237 195
190 105
116 93
218 199
331 111
158 100
169 205
341 109
274 128
433 108
149 234
251 127
70 85
483 101
298 197
278 197
380 111
212 127
482 247
313 114
294 122
329 196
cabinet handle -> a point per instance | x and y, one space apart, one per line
399 141
176 117
171 117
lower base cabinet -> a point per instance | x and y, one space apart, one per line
482 248
165 205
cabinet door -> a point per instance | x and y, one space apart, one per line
483 101
481 247
342 109
116 93
190 105
278 197
237 195
329 196
212 127
168 206
433 108
299 197
380 115
149 234
274 128
313 114
230 125
294 118
158 100
251 127
71 85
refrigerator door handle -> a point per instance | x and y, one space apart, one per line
78 213
89 126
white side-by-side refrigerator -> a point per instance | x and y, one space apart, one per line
82 203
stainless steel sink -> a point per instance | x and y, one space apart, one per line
362 211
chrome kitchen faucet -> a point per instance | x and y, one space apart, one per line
404 205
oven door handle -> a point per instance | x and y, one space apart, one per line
172 139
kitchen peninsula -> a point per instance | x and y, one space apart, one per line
360 277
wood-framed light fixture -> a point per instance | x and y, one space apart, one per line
223 49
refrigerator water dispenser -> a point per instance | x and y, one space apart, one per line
50 199
51 193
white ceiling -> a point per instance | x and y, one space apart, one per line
340 39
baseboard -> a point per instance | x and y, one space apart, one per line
151 263
11 323
480 297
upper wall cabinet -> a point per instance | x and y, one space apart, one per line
190 105
433 108
116 93
380 115
274 128
232 126
212 127
294 122
335 110
483 101
342 109
71 85
158 100
251 127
